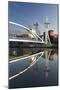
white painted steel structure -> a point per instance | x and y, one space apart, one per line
34 34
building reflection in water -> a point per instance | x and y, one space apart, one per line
36 68
37 71
30 62
46 64
49 56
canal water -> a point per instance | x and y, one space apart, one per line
33 67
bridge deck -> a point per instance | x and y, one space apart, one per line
21 40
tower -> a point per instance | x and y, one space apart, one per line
46 30
36 27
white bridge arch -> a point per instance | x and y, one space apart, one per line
26 28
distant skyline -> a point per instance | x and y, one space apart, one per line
30 13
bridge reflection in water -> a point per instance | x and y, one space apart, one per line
36 68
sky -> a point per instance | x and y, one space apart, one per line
30 13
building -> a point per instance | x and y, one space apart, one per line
53 37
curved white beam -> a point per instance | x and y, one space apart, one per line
21 72
18 25
17 60
34 34
22 27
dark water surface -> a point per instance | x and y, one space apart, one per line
39 69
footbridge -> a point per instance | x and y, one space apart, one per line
32 35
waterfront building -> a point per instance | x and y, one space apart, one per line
53 37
